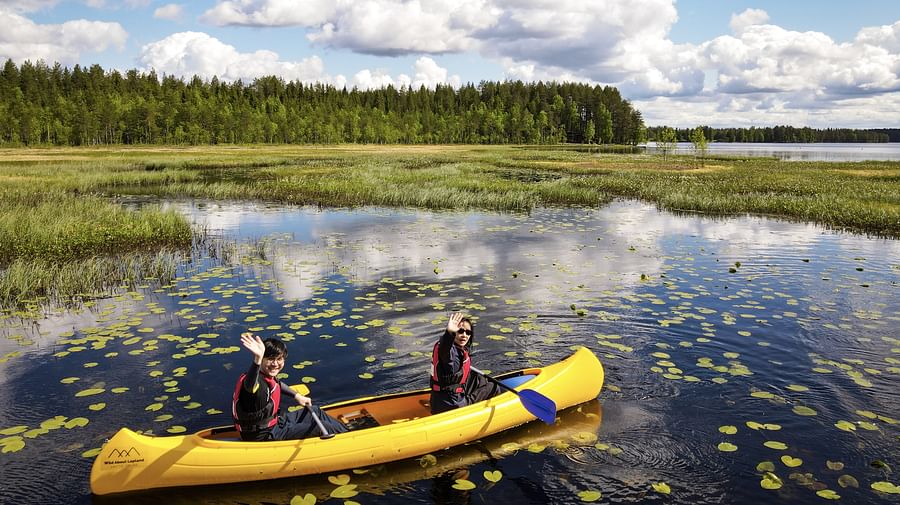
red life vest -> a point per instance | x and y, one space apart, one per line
456 387
266 417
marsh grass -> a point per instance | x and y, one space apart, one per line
55 205
36 282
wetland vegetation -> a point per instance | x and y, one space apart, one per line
58 205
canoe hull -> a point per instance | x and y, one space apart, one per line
130 461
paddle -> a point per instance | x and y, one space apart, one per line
542 407
322 429
325 433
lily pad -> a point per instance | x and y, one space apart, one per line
339 480
772 444
661 487
845 426
765 466
828 494
494 476
802 410
89 392
791 462
345 491
307 499
589 496
728 430
727 447
463 485
770 481
847 481
886 487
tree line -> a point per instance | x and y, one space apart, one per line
55 105
780 134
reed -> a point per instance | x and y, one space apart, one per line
38 281
55 206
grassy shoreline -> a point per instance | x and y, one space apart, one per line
54 206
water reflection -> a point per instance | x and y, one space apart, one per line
796 151
692 316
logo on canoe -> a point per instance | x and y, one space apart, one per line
119 456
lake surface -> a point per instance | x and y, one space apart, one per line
797 152
727 343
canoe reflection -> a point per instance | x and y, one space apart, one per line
574 426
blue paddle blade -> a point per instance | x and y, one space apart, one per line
542 407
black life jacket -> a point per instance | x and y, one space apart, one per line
456 387
267 417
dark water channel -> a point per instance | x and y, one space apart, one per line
727 343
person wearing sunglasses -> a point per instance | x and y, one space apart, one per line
256 404
453 384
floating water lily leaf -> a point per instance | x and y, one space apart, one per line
727 447
661 487
97 406
339 480
845 426
590 496
753 425
765 466
847 481
770 481
463 485
765 395
875 464
13 430
119 390
427 460
802 410
91 453
867 426
89 392
828 494
886 487
163 417
346 491
834 465
772 444
772 427
307 499
69 380
867 414
791 462
153 407
584 437
535 447
213 412
365 375
728 430
13 444
494 476
176 429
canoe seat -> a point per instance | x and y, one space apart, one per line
358 420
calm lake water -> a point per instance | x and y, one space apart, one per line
798 152
727 343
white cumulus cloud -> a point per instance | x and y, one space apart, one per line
172 12
22 39
193 53
186 54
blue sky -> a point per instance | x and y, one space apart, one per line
682 62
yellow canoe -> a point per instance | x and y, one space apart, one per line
405 428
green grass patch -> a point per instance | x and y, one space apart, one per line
55 205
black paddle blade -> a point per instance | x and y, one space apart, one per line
542 407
